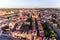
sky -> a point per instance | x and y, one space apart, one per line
29 3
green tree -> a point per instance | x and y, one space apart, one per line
58 25
54 16
46 34
5 27
52 35
29 19
54 21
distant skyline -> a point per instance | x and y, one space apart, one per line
29 3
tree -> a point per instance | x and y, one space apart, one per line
58 25
29 19
52 35
26 25
55 35
54 16
46 34
51 32
54 21
5 27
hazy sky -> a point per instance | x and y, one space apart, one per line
29 3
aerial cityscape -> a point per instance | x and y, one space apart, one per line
29 19
30 24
